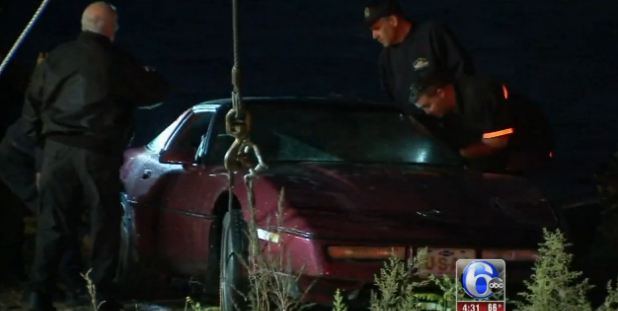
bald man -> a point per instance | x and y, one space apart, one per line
79 106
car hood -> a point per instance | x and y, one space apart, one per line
405 201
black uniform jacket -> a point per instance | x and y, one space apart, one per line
428 45
85 92
482 111
488 109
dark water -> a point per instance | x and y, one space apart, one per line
560 53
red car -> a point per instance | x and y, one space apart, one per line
362 181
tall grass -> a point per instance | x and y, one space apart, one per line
273 283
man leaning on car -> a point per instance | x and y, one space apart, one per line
79 106
489 126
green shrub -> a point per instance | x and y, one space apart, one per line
553 286
400 287
392 283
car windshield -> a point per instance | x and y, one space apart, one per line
332 134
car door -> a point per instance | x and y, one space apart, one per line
184 224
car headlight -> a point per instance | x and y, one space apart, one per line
510 254
366 252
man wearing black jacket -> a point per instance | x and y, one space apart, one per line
489 126
410 47
80 105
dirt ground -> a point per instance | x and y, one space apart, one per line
13 297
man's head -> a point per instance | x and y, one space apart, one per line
100 17
386 21
433 92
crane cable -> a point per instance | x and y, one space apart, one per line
238 156
23 35
238 125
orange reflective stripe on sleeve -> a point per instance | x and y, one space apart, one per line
499 133
505 91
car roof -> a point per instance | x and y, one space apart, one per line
331 102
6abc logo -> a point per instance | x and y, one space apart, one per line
482 279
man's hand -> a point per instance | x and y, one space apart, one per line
41 57
484 148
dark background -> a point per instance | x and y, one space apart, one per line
561 53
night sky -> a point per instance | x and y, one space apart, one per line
561 53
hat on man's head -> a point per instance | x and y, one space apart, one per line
426 78
376 9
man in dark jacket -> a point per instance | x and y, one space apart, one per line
410 47
80 106
484 122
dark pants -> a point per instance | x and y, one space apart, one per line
11 238
73 179
17 176
18 171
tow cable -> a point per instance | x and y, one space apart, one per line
238 125
23 35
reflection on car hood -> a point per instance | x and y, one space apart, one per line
379 201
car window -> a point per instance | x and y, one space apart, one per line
220 142
330 134
187 138
159 142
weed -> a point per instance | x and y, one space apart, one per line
338 304
611 300
92 290
271 280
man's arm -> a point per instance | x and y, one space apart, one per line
493 117
33 101
141 85
484 148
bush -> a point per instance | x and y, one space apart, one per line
553 286
399 288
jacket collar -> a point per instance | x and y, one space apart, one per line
91 36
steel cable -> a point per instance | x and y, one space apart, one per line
23 35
